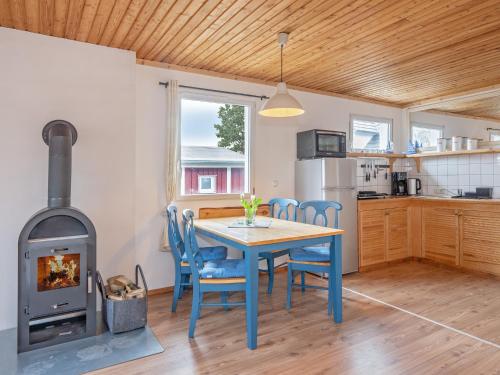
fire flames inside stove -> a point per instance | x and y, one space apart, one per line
58 271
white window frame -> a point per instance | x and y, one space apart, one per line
425 126
193 94
213 184
353 117
493 132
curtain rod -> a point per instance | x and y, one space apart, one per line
261 97
496 129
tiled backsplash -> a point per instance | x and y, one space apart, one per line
379 184
440 175
464 172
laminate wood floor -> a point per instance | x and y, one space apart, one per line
466 301
373 339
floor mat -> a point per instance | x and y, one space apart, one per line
77 357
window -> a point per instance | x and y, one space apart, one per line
426 134
214 146
370 133
494 135
206 184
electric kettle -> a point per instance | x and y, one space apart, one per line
414 186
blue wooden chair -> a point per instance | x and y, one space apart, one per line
182 269
314 258
223 276
279 208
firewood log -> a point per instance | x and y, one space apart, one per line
121 288
118 283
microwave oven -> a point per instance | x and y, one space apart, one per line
317 143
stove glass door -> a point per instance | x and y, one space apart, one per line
57 278
58 271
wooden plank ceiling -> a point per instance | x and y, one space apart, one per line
393 51
487 108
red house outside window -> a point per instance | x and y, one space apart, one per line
213 147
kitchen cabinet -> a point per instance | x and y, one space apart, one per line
415 230
396 233
440 234
383 235
371 237
480 240
458 233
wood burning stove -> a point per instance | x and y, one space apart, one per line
57 260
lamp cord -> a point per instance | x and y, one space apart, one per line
281 71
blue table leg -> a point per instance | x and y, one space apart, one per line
336 261
252 292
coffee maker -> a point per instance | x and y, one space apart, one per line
399 185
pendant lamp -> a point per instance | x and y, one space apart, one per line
282 104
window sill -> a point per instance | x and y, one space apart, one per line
370 151
207 197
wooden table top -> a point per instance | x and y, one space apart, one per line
279 231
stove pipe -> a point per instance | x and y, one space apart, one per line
60 136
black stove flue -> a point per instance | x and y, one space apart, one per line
57 258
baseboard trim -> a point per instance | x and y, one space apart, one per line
381 265
159 291
432 262
457 268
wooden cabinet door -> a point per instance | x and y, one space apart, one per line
440 235
480 241
415 231
371 237
397 233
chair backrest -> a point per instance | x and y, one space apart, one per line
321 210
215 212
191 245
174 235
283 208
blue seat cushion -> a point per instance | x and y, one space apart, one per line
311 254
222 269
210 253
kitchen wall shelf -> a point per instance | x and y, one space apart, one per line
374 155
452 153
418 157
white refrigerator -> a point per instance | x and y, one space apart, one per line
333 179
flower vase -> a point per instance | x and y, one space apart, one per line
250 216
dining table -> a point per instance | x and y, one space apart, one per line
273 234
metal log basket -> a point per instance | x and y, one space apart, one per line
126 315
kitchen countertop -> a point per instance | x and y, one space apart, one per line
441 198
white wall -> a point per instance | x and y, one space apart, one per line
456 126
42 79
273 161
327 112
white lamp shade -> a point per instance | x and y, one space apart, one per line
282 104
